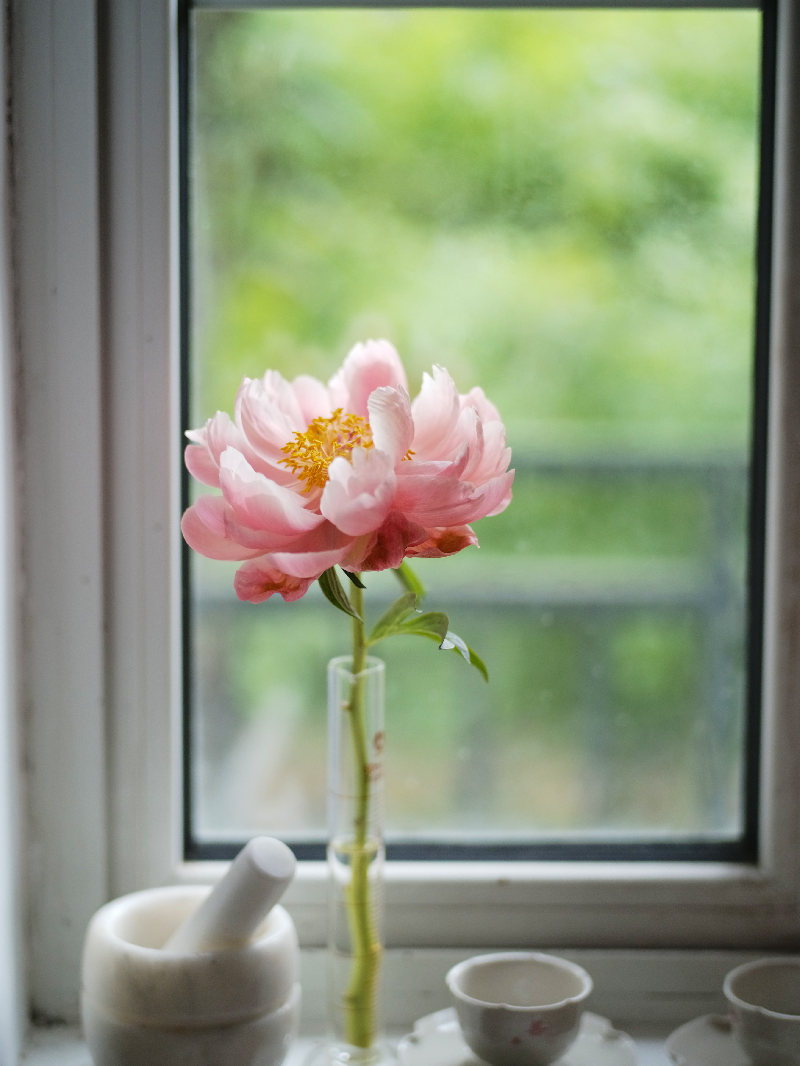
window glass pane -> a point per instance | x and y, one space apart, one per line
558 206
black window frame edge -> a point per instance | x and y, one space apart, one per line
745 849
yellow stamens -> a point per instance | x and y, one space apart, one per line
311 453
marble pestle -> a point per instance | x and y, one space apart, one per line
239 903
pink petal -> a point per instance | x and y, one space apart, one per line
256 581
391 422
307 564
310 555
322 539
367 367
358 495
392 542
466 433
208 541
495 496
268 415
200 464
444 541
435 412
337 390
221 433
432 467
218 515
422 495
476 398
469 431
452 468
259 502
215 436
312 398
496 456
280 393
505 498
445 501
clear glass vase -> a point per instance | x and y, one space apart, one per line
355 860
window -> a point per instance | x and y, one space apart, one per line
94 109
561 206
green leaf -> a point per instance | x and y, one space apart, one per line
409 580
332 590
388 623
431 624
359 584
396 621
452 642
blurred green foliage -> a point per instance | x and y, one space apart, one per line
556 205
560 207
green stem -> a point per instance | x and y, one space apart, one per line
359 997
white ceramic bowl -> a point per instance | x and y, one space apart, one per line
764 998
519 1008
143 1006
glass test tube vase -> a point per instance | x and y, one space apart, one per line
355 861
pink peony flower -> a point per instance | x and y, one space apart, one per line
351 474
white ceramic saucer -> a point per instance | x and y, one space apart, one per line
707 1041
437 1041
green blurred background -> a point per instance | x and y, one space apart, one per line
559 207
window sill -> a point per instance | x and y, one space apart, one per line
646 993
63 1046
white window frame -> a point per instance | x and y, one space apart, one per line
95 407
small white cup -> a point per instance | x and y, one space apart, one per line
519 1008
764 998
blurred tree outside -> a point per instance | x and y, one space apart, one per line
560 207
